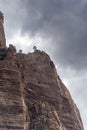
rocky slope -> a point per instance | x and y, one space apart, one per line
32 95
48 104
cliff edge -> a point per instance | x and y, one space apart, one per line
32 95
48 104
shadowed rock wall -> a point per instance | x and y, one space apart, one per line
11 106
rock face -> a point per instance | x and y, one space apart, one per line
48 104
32 95
2 34
11 107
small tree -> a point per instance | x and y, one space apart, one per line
34 48
20 51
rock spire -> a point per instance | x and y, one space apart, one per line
2 34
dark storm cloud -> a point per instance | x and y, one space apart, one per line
64 21
59 19
13 14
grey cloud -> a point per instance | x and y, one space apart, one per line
13 15
64 21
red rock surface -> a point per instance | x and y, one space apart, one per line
11 106
48 104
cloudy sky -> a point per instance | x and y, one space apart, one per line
58 27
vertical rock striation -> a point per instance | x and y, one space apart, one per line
49 105
11 107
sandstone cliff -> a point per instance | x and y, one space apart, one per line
32 95
48 104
